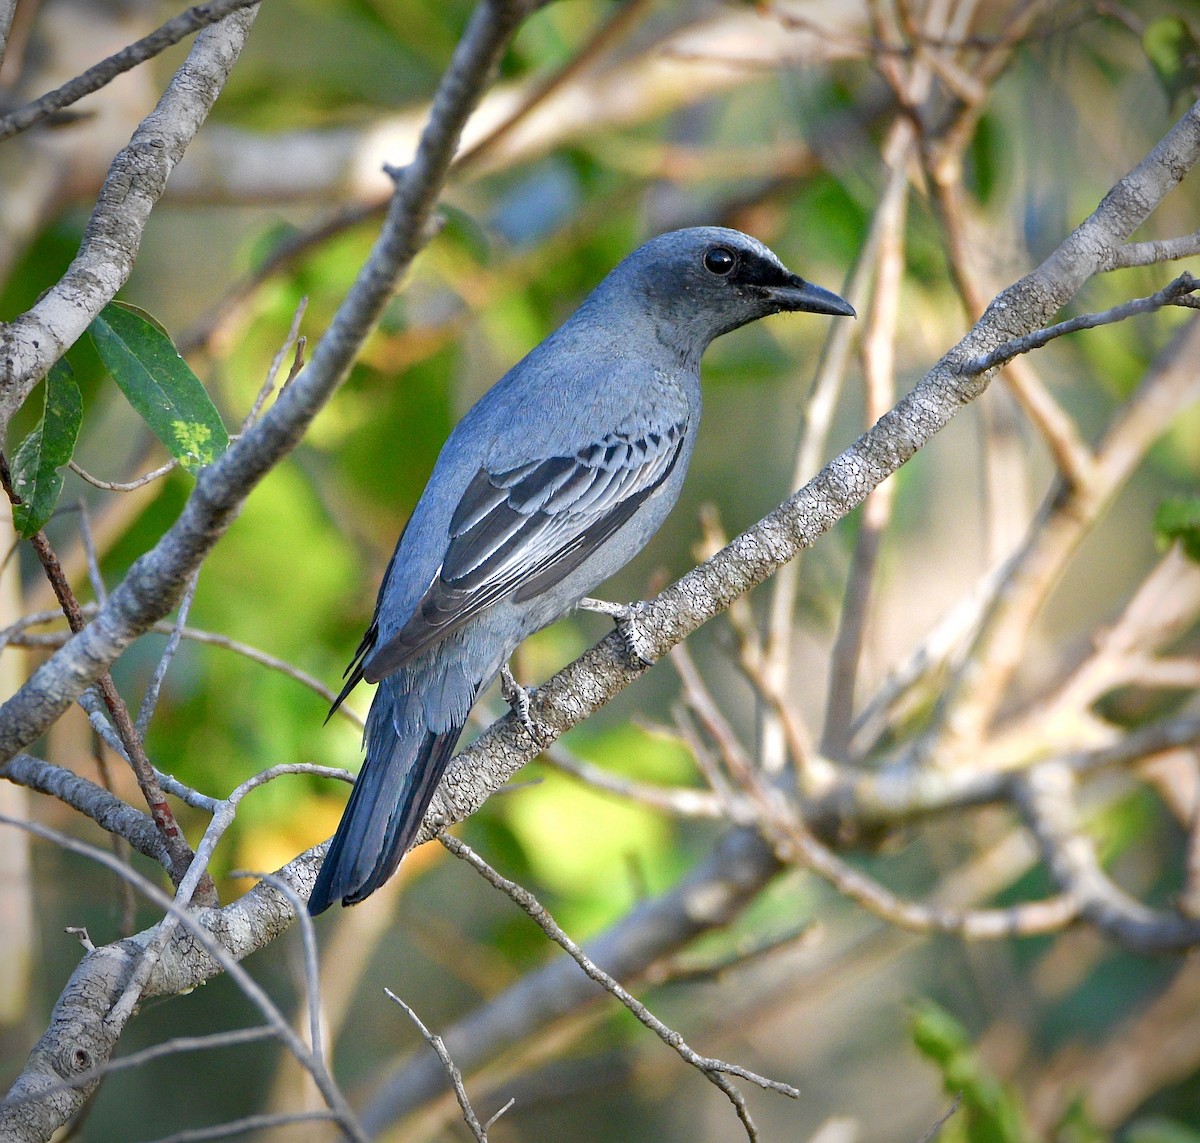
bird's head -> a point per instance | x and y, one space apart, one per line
699 283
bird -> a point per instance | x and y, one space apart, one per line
554 479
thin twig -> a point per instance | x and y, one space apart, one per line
150 698
268 386
121 848
682 801
1180 292
878 358
1049 916
175 1046
246 1125
1047 797
119 486
16 635
619 23
99 590
108 69
173 837
715 1071
700 701
936 1126
177 914
811 440
733 807
460 1091
680 969
312 968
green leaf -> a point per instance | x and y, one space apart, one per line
992 1112
159 385
1179 519
35 476
1174 53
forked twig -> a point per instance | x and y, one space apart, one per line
714 1070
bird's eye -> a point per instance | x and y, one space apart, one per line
719 260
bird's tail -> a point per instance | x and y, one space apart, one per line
385 811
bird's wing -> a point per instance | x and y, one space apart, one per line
520 531
353 674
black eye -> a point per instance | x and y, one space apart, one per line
719 260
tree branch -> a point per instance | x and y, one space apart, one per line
1047 796
31 343
108 69
1152 253
477 1129
105 809
592 680
715 1071
157 579
174 841
1177 293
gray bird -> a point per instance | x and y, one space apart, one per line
555 478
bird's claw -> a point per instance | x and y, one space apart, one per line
625 617
517 698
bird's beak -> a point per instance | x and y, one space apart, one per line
798 295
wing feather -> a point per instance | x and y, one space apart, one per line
519 531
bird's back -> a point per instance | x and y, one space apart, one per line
595 376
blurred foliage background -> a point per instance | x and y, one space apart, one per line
784 144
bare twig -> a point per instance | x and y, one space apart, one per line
173 838
478 1130
715 1071
150 698
1052 915
1180 292
818 419
878 357
936 1126
124 486
677 969
268 386
89 552
17 635
1047 797
312 978
700 701
623 18
158 578
246 1125
1152 253
107 70
178 914
174 1046
679 800
734 807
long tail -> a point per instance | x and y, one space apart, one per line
385 811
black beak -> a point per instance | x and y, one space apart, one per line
798 295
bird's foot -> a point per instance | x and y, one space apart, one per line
625 617
517 698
